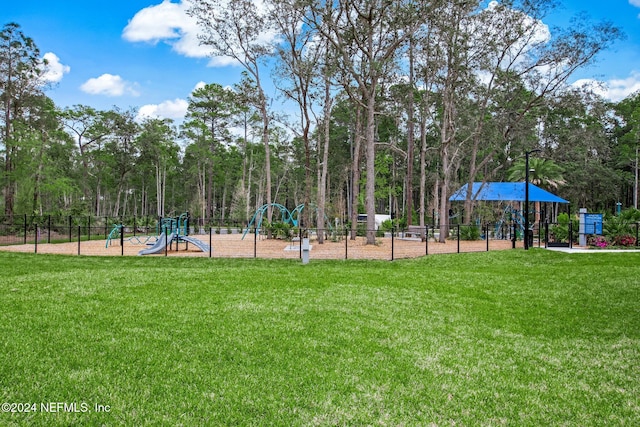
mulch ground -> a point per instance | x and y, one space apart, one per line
234 246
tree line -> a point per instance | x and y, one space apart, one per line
398 103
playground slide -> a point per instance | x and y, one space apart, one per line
199 243
160 245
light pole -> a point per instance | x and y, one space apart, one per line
526 197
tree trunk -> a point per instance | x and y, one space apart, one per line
355 171
410 142
37 178
423 172
322 187
267 154
370 157
444 202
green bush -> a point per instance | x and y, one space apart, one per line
560 231
469 232
620 229
281 230
624 240
386 226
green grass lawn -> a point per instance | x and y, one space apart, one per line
500 338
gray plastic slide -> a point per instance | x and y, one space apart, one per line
160 244
199 243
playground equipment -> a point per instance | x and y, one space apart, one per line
136 240
174 230
168 230
286 216
509 215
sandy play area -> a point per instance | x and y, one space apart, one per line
233 246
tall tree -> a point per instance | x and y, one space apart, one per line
239 30
212 107
367 36
627 133
299 55
324 141
88 127
525 54
120 155
158 155
575 133
20 72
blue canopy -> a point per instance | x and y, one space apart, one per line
505 191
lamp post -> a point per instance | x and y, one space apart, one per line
526 197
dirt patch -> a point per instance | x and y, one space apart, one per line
234 246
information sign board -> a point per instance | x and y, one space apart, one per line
593 223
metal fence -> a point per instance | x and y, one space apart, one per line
121 237
129 236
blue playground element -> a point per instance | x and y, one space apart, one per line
510 215
286 216
136 240
173 229
168 230
160 245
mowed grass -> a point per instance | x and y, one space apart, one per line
501 338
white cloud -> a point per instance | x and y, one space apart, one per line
168 22
199 85
109 85
635 3
171 109
54 71
614 90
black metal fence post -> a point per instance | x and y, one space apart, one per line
486 235
210 242
89 228
255 242
426 239
121 239
570 233
458 232
346 243
35 250
393 232
79 234
166 242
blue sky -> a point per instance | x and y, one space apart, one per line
144 54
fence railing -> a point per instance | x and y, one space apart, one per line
128 236
105 236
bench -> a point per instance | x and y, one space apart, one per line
415 231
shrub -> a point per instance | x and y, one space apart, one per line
560 231
469 232
597 241
386 226
616 226
281 230
625 240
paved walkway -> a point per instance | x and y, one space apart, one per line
583 250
